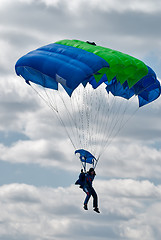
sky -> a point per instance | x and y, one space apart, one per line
38 168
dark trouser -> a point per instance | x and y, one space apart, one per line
89 192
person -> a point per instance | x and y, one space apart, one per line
89 190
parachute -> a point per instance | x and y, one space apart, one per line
89 88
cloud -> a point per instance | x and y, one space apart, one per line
48 213
36 23
13 104
129 208
120 160
130 160
129 188
144 6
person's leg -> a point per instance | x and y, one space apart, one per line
87 198
95 199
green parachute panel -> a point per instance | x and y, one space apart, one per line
122 66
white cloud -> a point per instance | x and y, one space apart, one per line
45 213
130 160
129 188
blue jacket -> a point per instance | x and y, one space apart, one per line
81 180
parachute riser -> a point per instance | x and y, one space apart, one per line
84 165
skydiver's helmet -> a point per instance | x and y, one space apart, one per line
91 170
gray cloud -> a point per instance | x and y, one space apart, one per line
32 25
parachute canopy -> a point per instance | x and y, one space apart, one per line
71 62
80 82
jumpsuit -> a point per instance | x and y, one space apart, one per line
89 190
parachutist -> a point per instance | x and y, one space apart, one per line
89 190
85 182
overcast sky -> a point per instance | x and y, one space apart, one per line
38 198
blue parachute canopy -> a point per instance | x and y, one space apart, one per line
73 62
85 156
